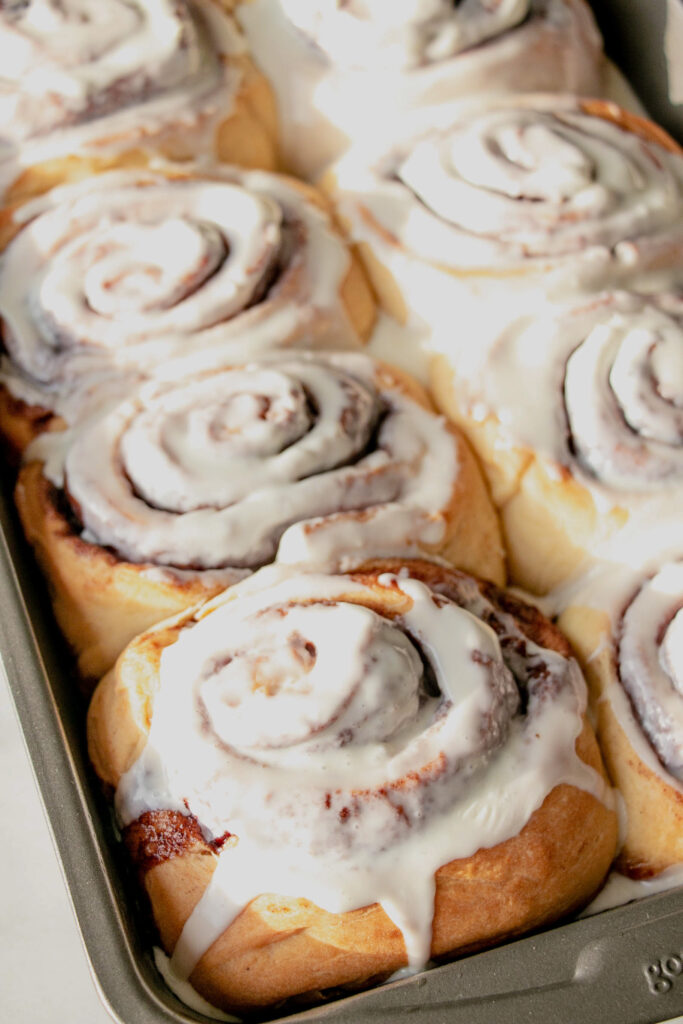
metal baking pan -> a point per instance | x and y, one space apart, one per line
623 966
635 36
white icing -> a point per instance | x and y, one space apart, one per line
651 662
404 34
316 790
607 381
406 346
307 458
619 889
516 182
635 579
135 273
624 396
556 47
69 54
85 76
185 992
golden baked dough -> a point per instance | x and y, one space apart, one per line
280 947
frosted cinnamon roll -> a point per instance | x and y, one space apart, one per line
539 193
602 437
627 626
394 61
87 82
111 278
372 769
189 485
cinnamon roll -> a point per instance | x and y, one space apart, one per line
190 484
109 279
85 83
329 61
371 769
602 437
626 626
507 201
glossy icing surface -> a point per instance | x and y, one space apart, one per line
301 457
304 754
397 61
121 273
85 76
512 181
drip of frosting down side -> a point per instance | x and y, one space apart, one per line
350 776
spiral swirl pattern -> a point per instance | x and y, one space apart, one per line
650 658
405 34
541 179
211 472
125 270
338 720
623 393
68 62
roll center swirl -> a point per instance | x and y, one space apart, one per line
68 61
223 438
282 683
624 398
141 268
111 271
519 183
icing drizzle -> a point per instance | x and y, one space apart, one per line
308 719
123 272
404 34
81 73
521 180
303 457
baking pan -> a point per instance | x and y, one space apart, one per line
623 966
635 35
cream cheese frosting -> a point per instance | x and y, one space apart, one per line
607 380
396 61
119 273
295 781
82 76
522 181
404 34
301 457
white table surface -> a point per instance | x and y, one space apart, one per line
44 974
